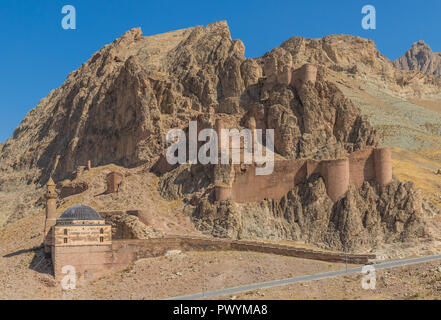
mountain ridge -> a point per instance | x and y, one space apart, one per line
421 57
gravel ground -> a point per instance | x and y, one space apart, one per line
420 281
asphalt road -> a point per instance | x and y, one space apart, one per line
318 276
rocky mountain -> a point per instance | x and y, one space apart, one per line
118 106
421 57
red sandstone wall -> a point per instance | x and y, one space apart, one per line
364 165
248 187
304 74
67 191
336 176
383 166
114 179
361 166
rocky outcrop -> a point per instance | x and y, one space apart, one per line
362 220
421 57
118 106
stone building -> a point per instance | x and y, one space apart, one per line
79 237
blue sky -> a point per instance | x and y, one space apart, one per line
37 54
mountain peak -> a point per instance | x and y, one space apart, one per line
420 57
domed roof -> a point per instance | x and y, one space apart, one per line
80 213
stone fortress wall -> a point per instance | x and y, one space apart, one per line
94 260
127 251
339 175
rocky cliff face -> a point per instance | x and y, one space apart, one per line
118 106
363 220
421 57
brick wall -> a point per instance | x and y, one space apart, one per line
361 167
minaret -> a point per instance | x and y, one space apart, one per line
51 215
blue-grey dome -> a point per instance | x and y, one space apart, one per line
80 213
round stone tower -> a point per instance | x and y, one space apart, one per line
51 215
383 166
336 175
222 192
309 73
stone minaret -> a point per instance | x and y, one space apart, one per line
51 215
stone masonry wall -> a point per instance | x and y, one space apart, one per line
364 165
127 251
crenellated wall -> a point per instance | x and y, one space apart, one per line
365 165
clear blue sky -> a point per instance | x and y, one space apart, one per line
36 54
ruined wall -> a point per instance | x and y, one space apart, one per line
306 73
365 165
362 166
223 192
113 180
336 176
73 189
126 251
93 261
248 187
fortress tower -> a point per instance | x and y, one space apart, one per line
223 192
383 166
336 175
113 180
51 215
307 72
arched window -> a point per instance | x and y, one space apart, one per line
65 231
101 239
101 230
65 240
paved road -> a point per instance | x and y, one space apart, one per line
318 276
